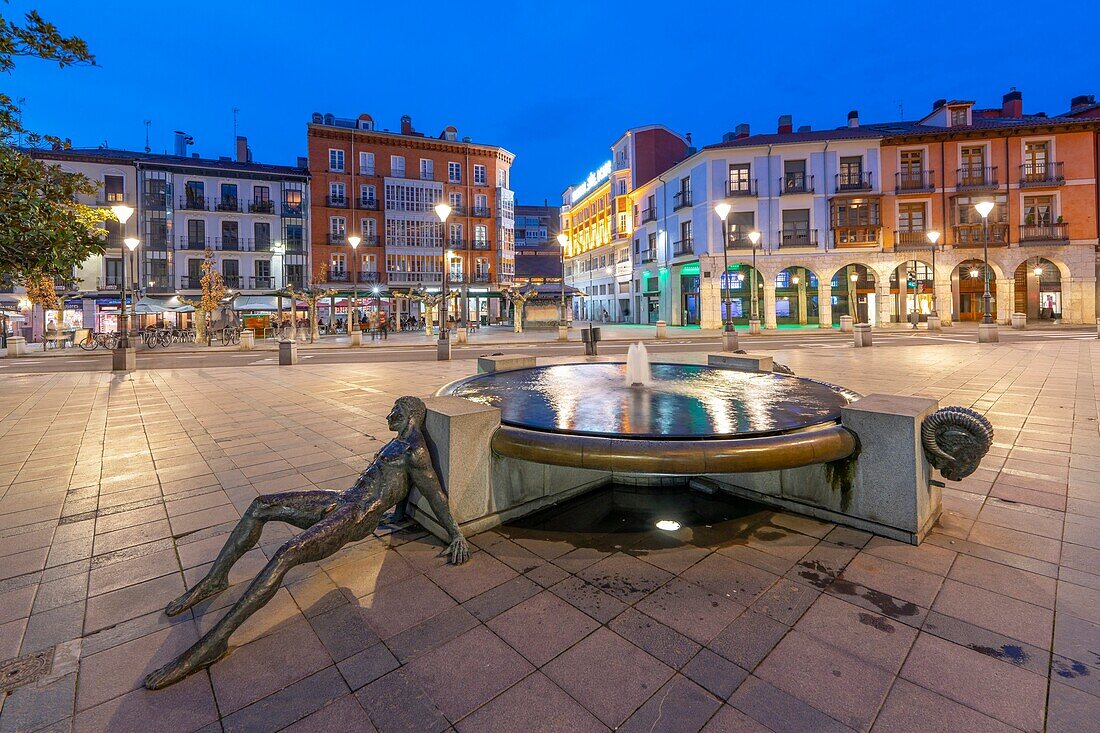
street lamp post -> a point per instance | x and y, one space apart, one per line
353 310
754 323
123 358
723 211
443 345
933 238
983 208
563 322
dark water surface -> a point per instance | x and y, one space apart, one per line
683 401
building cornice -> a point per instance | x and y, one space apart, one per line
410 142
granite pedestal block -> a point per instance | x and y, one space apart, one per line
662 329
356 338
248 340
730 342
288 352
563 333
741 362
1019 321
846 323
443 350
934 323
987 333
861 335
754 327
17 346
487 364
462 335
124 359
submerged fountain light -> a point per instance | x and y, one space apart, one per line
668 525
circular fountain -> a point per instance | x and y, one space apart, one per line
670 419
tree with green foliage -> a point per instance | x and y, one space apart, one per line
44 232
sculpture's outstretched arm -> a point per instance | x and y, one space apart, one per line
423 477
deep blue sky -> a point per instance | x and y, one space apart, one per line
554 82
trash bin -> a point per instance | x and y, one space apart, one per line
590 336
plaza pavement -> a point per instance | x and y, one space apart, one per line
116 491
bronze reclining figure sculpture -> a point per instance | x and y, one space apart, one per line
331 519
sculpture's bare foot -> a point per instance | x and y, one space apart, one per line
191 661
458 552
202 591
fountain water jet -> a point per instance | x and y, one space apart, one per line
637 366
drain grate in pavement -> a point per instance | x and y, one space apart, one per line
23 670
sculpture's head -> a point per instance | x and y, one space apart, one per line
407 412
955 440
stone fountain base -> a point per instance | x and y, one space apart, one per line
885 487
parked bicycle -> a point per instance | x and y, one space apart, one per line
155 337
230 335
95 340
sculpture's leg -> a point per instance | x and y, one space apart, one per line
347 524
302 509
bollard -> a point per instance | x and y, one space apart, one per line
729 340
443 349
248 340
1019 321
846 324
933 323
17 346
288 352
754 327
987 333
590 336
356 337
563 333
462 334
662 330
861 335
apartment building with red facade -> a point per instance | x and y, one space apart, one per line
383 186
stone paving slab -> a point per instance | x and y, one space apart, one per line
116 491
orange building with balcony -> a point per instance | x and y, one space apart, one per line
383 186
1039 172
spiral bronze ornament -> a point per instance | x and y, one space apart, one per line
955 440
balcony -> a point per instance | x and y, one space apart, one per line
685 246
110 199
231 244
191 283
336 202
369 240
649 255
794 183
194 203
481 212
916 239
848 237
854 181
193 243
482 277
338 276
369 277
337 238
261 245
228 204
681 199
262 283
970 235
111 282
744 187
261 206
1034 175
367 204
427 175
159 284
459 244
976 178
649 214
456 278
414 278
796 237
233 281
155 200
483 245
458 210
292 210
295 281
739 240
1044 233
914 182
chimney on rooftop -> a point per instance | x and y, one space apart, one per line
741 130
1012 105
1082 100
938 103
785 124
853 118
406 125
244 155
182 140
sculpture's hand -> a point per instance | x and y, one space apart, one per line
458 552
